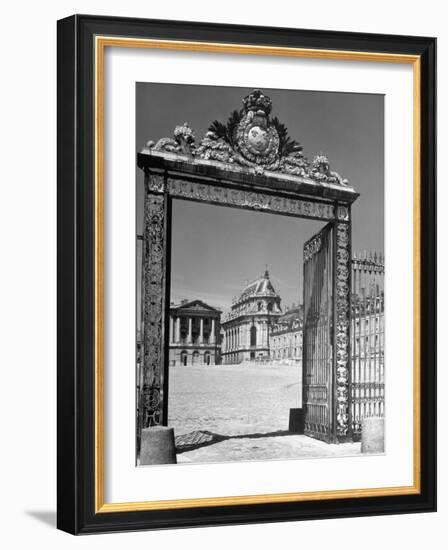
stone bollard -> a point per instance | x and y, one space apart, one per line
157 446
296 421
372 437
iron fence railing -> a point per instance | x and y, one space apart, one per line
367 339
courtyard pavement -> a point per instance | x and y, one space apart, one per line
240 412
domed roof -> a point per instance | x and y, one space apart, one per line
260 287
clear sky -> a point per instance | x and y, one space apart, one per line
216 250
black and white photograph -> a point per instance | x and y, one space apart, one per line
263 250
220 245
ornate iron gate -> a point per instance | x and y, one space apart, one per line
250 163
326 337
317 336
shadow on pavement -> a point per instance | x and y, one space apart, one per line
203 438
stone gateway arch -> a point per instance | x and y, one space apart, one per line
251 162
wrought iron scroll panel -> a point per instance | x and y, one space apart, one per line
326 338
342 316
317 337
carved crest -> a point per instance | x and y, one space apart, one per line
257 138
253 139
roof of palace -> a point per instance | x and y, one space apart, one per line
194 306
261 287
292 319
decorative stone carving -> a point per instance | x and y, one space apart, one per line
342 327
253 139
213 148
182 143
295 164
154 257
257 139
320 172
249 199
343 213
156 183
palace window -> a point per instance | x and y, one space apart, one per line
253 335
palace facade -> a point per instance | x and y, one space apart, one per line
287 337
245 329
194 334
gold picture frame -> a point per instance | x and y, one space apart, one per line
96 35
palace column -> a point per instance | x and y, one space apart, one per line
212 333
177 330
190 336
201 330
172 326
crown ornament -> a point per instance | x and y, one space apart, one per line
257 101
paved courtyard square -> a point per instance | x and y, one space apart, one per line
240 412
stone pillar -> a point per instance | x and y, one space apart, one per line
212 333
172 323
372 436
201 330
157 446
177 330
190 335
151 399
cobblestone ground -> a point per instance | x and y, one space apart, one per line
240 412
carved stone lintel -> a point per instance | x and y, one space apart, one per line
250 199
154 258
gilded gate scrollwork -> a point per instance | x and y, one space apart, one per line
342 332
154 288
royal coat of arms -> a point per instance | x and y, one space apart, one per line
257 138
